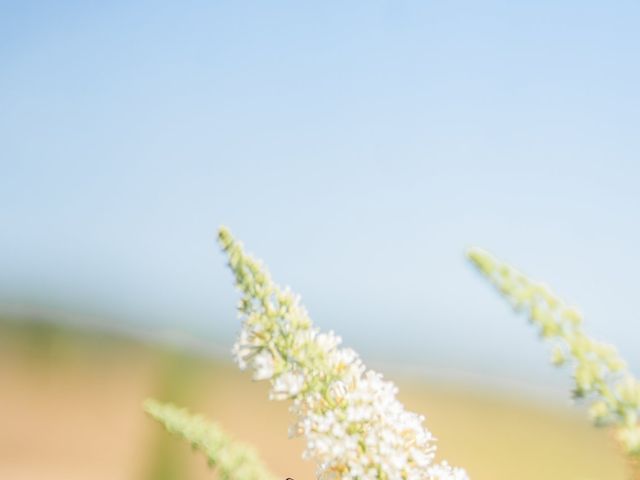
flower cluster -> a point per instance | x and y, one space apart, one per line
355 428
600 374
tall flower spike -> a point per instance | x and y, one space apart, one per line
601 376
355 428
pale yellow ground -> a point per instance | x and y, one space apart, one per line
70 409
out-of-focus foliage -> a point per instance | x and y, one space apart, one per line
601 376
233 460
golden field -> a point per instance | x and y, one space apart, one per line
70 409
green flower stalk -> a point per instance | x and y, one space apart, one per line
355 428
601 376
233 460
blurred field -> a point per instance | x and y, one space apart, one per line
70 409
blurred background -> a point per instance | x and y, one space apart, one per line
358 148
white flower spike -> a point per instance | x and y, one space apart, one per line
354 426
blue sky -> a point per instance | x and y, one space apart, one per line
357 147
